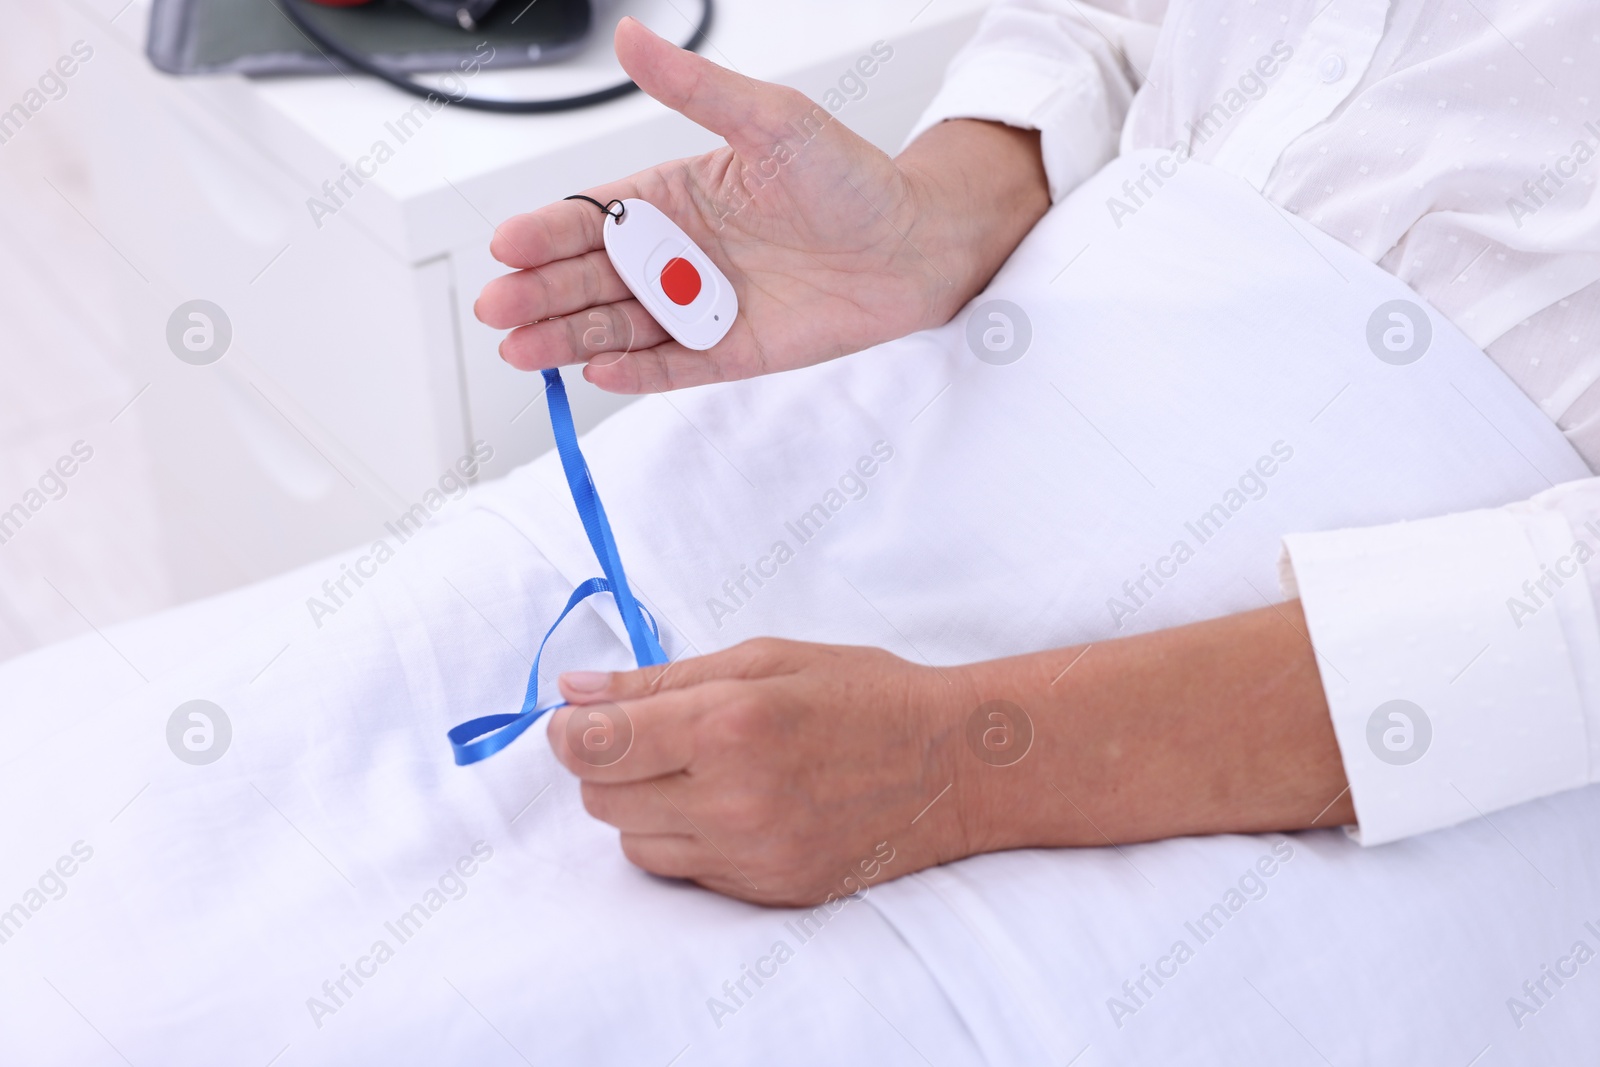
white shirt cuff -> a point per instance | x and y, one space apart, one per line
1457 683
1040 65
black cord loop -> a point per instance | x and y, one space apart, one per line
606 207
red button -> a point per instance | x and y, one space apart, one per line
680 281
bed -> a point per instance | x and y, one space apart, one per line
332 889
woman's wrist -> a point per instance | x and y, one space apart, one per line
979 187
1217 727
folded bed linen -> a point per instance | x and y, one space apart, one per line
333 889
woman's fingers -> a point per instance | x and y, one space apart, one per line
638 807
693 858
556 231
746 112
759 657
668 365
601 334
671 855
645 740
560 288
626 350
579 311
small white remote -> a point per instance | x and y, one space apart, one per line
674 280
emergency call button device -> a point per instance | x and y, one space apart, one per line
675 281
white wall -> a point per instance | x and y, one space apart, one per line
91 557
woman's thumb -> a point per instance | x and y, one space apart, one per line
745 112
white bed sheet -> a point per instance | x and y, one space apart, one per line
1402 955
219 899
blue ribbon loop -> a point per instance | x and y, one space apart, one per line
480 738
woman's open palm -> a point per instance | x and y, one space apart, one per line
815 228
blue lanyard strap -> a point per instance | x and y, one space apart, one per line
481 738
646 647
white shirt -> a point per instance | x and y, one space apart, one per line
1456 146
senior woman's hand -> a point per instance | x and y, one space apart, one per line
776 771
786 773
831 245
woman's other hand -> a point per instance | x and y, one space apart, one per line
786 773
777 771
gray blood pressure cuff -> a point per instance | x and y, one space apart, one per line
255 37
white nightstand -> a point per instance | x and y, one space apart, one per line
357 373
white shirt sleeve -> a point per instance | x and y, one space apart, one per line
1460 656
1067 68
